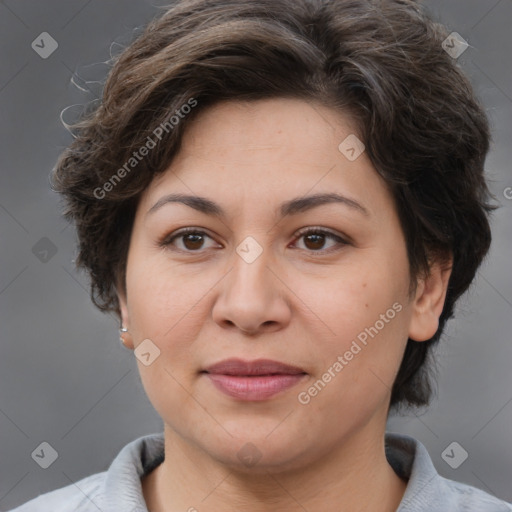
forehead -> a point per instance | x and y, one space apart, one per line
265 152
265 127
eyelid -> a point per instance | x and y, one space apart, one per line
320 229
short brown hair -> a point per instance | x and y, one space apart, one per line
381 62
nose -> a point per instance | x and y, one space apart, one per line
253 297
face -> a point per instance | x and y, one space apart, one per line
321 286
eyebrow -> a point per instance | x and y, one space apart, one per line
291 207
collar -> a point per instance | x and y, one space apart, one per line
123 488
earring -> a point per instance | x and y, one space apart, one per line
123 337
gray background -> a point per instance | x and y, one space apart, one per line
64 378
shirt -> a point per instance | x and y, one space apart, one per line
119 489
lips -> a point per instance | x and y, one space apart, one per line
242 368
253 380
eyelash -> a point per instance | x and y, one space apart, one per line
168 241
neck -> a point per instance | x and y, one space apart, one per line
355 475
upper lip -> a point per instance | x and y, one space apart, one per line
235 366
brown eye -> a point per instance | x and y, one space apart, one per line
314 240
192 240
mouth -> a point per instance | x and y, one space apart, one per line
253 380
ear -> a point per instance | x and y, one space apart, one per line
125 318
429 301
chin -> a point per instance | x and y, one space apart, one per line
254 451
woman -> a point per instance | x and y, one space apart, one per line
282 200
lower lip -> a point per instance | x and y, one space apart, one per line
254 388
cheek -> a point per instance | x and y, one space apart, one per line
165 306
161 306
161 297
356 295
366 311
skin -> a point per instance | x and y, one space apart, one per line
293 304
